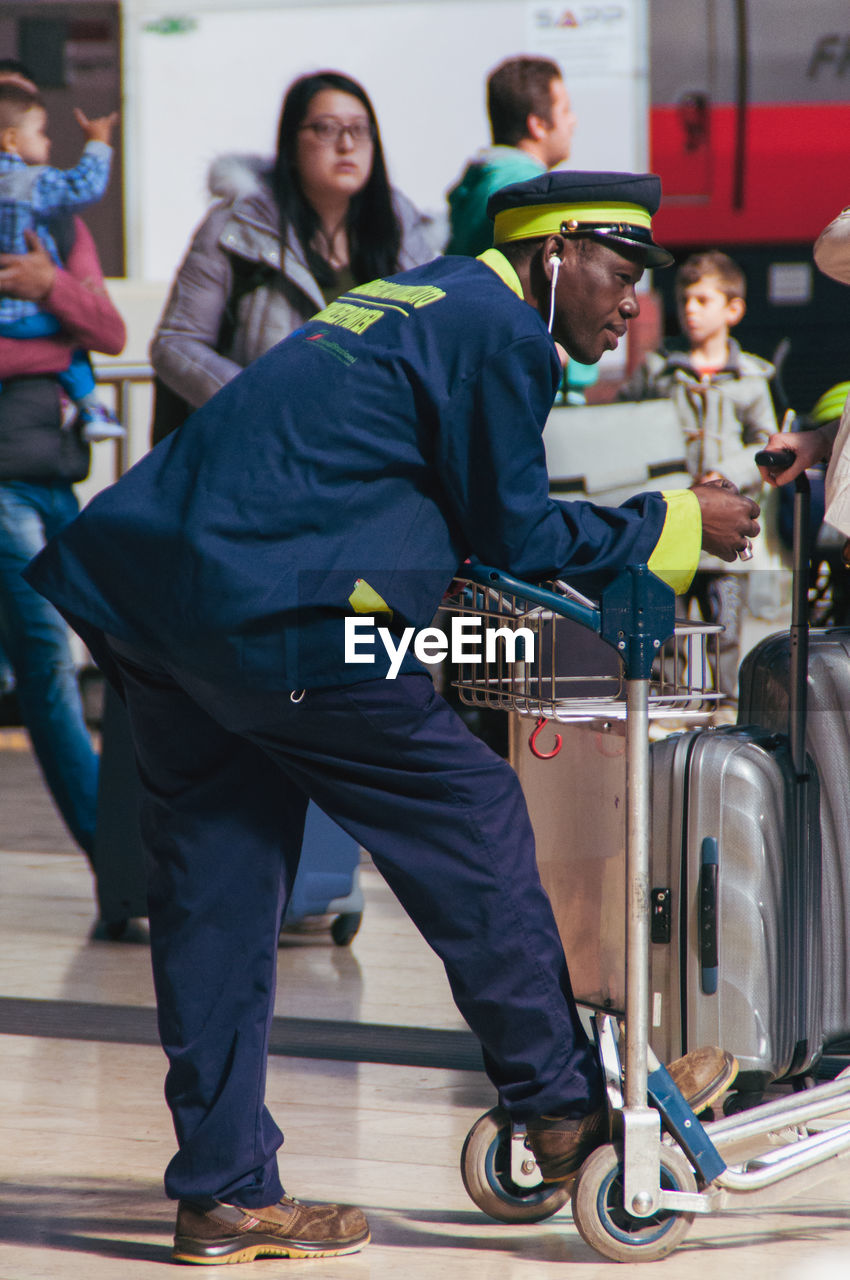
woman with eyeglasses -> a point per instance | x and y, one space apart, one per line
284 240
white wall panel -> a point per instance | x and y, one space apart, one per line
207 78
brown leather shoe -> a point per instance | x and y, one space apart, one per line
217 1232
701 1076
561 1146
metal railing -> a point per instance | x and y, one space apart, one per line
122 375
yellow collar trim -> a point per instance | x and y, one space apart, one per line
546 219
498 262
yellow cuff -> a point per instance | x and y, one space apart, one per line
676 553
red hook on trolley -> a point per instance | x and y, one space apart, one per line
532 742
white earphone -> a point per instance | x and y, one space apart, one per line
555 263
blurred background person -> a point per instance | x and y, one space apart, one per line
31 191
828 440
532 124
286 238
723 399
40 460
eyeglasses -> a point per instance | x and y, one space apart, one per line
328 130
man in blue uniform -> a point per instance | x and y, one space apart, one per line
348 472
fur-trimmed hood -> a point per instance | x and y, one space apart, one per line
232 177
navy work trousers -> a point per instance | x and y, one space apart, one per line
226 777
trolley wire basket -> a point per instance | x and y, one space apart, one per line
536 649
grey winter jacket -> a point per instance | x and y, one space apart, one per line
726 420
244 224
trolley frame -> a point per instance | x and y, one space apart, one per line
635 617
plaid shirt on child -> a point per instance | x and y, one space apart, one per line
31 194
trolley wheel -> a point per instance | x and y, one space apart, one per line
485 1166
604 1223
344 927
742 1100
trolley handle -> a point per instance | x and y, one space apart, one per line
484 576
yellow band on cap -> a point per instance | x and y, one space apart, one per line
545 219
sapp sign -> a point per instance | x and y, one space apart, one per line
556 17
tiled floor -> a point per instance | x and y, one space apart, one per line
84 1133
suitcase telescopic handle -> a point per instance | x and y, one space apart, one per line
779 460
775 459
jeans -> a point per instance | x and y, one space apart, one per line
35 639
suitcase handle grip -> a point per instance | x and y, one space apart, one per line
775 459
778 459
707 909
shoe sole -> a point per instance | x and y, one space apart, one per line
270 1247
718 1086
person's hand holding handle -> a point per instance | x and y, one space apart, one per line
776 460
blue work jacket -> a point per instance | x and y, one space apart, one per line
361 460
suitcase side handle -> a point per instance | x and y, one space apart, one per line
708 907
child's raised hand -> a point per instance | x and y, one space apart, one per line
100 128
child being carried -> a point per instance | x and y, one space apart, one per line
31 194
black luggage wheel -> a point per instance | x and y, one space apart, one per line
345 926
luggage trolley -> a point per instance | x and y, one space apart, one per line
634 1198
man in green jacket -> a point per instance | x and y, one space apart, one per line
532 123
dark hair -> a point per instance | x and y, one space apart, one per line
516 89
15 102
729 275
374 234
519 252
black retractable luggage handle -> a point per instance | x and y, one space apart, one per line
779 460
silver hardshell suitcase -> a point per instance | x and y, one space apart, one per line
735 904
750 836
733 907
764 685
